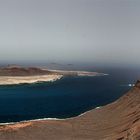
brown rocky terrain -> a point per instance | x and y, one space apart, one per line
21 71
12 75
33 71
119 120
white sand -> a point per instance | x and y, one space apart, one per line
10 80
78 73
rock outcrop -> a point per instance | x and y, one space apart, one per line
119 120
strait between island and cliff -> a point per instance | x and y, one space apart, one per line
119 120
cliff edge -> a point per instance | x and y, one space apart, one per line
119 120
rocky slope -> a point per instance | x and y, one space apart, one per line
21 71
33 71
117 121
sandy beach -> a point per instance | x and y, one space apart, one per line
10 80
77 73
21 75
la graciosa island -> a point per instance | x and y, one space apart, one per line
26 75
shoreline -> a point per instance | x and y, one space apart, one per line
48 119
55 75
93 124
15 80
77 72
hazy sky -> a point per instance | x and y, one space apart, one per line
92 31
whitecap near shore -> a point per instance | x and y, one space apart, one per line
45 119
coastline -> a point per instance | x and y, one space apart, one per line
18 75
94 124
76 72
46 119
12 80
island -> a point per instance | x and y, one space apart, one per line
20 75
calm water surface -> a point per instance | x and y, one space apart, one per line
64 98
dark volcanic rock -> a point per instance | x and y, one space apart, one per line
137 84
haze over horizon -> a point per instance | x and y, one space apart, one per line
70 31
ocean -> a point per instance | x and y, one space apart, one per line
65 98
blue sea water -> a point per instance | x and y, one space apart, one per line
64 98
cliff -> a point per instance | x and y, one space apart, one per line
119 120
